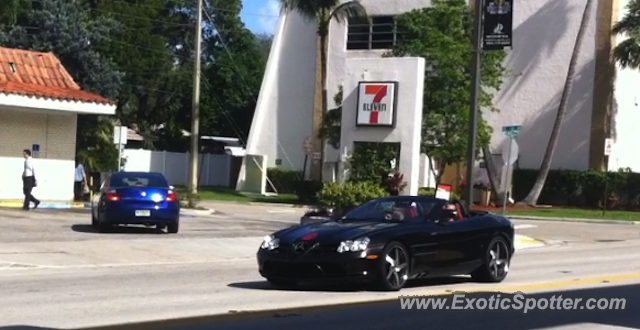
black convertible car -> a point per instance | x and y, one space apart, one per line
388 241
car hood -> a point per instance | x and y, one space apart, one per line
332 231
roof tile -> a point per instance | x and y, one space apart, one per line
40 75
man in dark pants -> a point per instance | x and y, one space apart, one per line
28 181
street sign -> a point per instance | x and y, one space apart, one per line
510 152
306 146
608 146
120 135
512 131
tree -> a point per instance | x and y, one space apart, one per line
264 42
534 194
442 34
322 13
10 10
627 52
66 29
236 70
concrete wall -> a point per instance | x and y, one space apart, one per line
54 166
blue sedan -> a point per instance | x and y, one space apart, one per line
136 198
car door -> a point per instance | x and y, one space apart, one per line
457 242
424 246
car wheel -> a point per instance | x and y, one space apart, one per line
496 264
279 283
394 267
103 227
173 227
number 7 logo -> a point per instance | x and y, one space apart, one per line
379 92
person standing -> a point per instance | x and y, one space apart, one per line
28 181
80 181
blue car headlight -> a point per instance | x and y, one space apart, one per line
359 244
270 243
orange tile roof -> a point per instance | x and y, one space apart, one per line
41 75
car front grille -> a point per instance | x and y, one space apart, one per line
304 269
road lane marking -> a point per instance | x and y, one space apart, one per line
524 226
368 301
522 242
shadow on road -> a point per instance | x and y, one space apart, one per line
87 228
264 285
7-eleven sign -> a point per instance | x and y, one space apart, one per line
376 103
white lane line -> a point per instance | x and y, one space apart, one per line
525 226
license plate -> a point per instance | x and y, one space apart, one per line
143 213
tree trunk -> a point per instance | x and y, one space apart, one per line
534 194
323 78
494 180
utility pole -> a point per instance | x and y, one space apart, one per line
195 107
473 110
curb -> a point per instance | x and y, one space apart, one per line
599 221
196 213
46 205
213 201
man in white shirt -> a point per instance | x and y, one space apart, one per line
28 181
80 181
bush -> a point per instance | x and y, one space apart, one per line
344 196
581 188
284 181
307 191
432 192
188 200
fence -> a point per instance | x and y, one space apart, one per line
214 170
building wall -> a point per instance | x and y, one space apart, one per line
54 165
544 36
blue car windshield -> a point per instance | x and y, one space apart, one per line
390 210
143 180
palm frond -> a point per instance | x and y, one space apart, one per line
631 21
350 9
627 54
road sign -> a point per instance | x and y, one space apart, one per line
306 146
512 131
510 152
608 145
120 135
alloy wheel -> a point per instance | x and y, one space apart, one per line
397 270
499 259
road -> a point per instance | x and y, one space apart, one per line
56 273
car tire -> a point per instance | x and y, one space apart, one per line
104 227
173 227
393 271
281 284
497 258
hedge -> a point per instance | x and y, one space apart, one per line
284 181
581 188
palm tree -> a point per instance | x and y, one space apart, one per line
534 194
322 13
627 53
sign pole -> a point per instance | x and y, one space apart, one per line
473 109
119 148
608 144
506 189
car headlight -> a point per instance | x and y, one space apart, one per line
270 243
359 244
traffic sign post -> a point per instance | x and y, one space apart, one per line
307 148
511 131
608 146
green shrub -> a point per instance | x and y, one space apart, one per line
432 192
284 181
581 188
307 191
188 200
347 195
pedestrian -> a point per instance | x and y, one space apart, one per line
28 181
80 181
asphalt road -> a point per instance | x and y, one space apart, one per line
56 273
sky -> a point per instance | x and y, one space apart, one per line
260 16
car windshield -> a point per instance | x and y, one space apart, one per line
391 210
143 180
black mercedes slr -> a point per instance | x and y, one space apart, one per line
388 241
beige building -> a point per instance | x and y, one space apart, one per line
39 107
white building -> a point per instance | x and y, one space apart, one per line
544 36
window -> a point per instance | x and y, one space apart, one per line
379 33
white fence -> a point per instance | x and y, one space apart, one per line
214 170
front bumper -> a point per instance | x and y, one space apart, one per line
325 267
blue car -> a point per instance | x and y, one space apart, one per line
136 198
